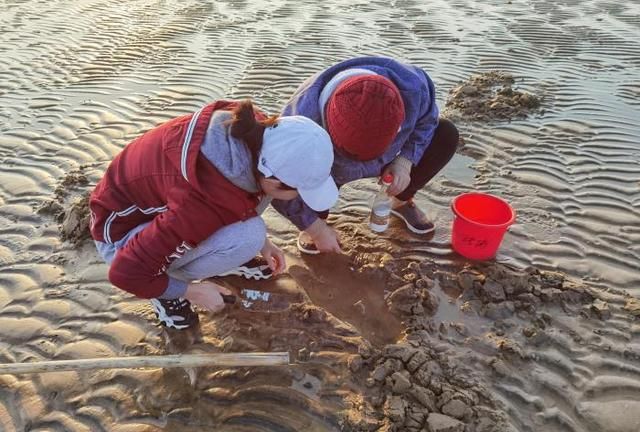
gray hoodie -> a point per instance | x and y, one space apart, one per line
230 156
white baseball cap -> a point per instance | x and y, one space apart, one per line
299 153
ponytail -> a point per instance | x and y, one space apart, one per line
245 127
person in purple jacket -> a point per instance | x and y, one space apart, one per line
382 118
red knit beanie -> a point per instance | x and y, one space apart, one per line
363 116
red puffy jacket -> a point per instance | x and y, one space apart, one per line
162 177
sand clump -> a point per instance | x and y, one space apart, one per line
425 382
75 224
415 385
490 96
501 292
70 207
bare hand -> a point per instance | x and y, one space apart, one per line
274 257
401 172
324 237
206 294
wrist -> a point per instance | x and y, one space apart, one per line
402 163
266 244
316 227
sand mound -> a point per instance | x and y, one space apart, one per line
425 382
490 96
414 384
70 207
75 224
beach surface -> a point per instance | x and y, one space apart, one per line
400 333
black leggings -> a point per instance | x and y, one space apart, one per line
442 148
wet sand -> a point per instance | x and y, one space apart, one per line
398 332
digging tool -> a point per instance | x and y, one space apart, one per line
260 301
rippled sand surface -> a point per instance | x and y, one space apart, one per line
80 79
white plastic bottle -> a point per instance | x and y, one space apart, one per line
381 206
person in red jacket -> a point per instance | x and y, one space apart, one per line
181 203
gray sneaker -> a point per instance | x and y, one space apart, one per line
414 218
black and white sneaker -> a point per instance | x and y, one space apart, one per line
176 313
256 269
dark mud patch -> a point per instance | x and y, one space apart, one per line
490 96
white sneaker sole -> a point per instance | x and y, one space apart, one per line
411 227
247 273
175 326
305 250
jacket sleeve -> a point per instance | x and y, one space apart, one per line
426 125
140 266
304 101
301 215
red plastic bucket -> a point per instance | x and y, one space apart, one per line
479 224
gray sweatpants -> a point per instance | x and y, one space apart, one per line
226 249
